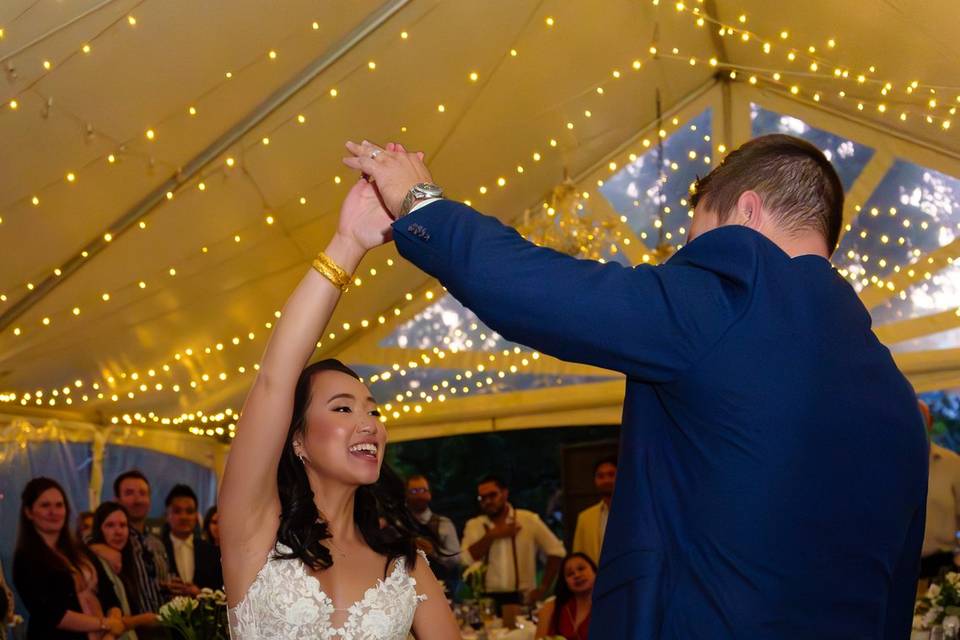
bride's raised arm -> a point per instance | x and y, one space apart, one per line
249 505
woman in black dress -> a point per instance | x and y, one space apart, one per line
53 575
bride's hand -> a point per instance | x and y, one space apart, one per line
363 218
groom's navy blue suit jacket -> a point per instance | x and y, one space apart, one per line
773 463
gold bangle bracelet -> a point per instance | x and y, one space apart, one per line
333 272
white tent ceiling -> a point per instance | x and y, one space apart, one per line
208 270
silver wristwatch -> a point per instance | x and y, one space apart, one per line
418 193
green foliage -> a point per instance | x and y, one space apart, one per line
528 460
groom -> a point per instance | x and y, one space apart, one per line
773 462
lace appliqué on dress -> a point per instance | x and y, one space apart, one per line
285 602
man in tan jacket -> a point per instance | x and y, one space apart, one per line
943 508
592 521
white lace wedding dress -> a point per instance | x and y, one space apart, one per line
285 602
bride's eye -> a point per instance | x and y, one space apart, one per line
375 413
343 409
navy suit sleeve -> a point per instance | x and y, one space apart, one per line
648 322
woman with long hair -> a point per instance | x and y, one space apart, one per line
110 542
315 536
568 613
57 581
211 527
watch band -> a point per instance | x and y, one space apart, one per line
418 192
407 203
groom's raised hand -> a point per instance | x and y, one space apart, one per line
394 170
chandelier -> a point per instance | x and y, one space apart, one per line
567 225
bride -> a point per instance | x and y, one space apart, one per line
316 539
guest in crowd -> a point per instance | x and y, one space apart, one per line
592 521
110 541
194 563
84 526
508 539
6 605
444 561
65 594
943 507
568 614
211 527
132 490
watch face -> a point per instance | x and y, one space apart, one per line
430 190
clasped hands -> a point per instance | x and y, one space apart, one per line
373 203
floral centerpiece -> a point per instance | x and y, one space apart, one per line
200 618
940 605
475 577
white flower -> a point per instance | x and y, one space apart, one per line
951 624
918 623
302 612
933 591
953 578
376 623
206 592
930 617
180 604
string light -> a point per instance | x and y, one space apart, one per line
86 48
536 157
178 357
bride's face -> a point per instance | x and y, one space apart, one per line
343 437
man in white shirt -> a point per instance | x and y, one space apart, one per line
943 508
193 562
444 561
592 521
507 540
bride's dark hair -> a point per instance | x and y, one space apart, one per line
379 510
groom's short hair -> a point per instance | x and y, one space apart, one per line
796 181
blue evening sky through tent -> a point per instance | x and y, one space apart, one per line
913 211
635 193
949 339
450 326
423 379
940 293
848 157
